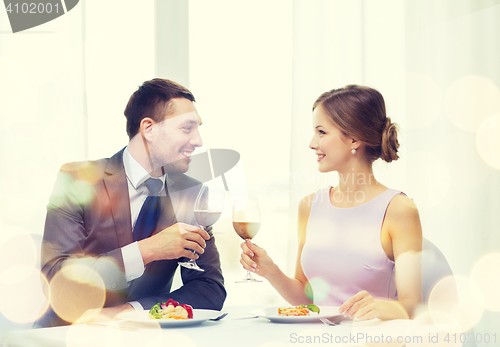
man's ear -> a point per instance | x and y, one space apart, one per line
146 128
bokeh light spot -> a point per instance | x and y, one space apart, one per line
317 289
422 333
17 250
76 289
67 190
90 173
453 303
486 274
21 294
488 141
470 100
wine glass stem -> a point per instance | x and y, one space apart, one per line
193 251
249 276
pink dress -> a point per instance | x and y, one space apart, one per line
343 253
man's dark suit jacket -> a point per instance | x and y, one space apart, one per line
88 221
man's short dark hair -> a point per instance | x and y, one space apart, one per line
153 99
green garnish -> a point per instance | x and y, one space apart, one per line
311 307
153 313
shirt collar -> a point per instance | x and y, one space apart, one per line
136 174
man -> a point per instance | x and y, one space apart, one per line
94 219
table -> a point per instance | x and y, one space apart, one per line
237 329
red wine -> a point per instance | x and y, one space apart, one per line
246 230
207 218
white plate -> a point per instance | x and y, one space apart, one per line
199 316
271 313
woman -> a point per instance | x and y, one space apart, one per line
359 240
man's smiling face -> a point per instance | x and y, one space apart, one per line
176 137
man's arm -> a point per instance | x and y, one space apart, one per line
202 290
66 231
72 237
80 228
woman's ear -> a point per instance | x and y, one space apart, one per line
146 128
355 144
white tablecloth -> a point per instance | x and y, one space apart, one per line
237 329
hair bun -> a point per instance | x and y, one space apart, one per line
390 142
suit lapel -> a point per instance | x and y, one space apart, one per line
116 185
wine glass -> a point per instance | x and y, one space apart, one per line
207 210
246 223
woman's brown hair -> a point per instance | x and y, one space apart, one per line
359 112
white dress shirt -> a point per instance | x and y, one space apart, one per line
138 192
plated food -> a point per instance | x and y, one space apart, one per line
142 317
301 310
171 310
272 313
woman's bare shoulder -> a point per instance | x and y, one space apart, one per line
306 203
401 206
304 212
402 218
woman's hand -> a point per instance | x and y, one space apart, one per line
256 259
361 306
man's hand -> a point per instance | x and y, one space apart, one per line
174 242
97 315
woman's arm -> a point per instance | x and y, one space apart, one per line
256 259
402 225
405 231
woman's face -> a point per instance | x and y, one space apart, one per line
331 145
